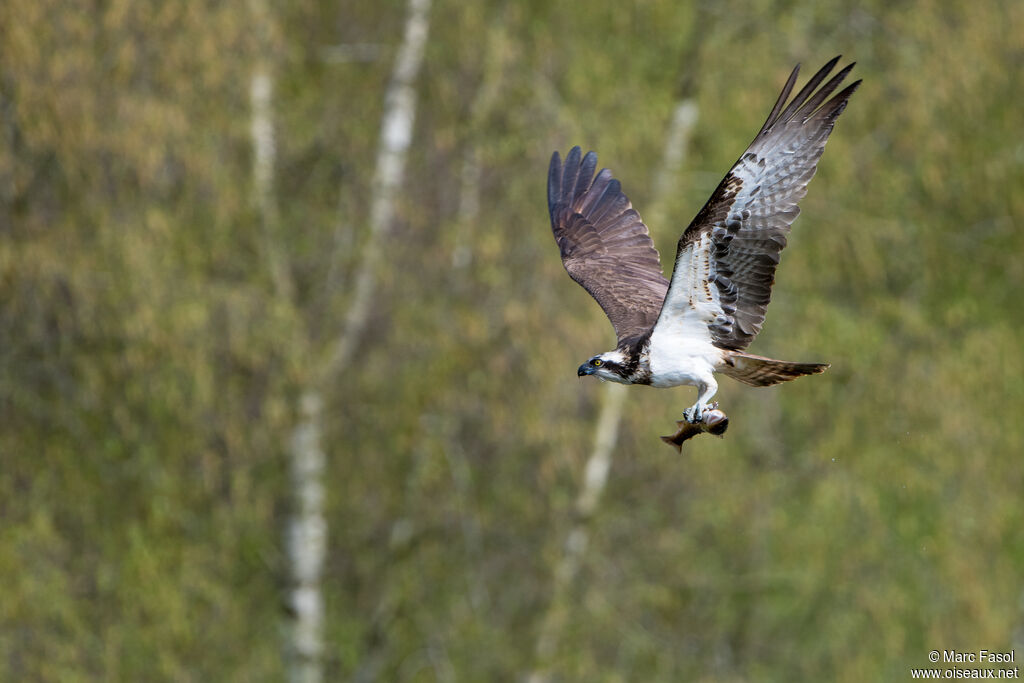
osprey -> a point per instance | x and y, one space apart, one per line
684 331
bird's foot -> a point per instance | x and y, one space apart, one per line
695 413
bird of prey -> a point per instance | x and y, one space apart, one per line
683 331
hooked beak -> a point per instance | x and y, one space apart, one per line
584 370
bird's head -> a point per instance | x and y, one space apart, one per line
607 366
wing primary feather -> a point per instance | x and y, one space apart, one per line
612 190
584 176
840 100
814 102
554 183
595 195
808 89
570 173
788 88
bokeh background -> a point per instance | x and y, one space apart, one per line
165 305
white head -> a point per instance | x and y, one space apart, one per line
610 365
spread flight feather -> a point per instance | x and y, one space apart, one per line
679 332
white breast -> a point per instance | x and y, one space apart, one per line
677 358
681 351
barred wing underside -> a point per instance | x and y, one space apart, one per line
726 259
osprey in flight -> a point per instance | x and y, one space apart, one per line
683 331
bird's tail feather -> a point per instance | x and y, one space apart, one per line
758 371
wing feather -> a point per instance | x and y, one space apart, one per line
605 245
726 259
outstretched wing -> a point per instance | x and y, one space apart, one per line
605 246
726 260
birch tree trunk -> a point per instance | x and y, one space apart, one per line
305 541
498 53
684 117
594 478
396 135
307 530
261 102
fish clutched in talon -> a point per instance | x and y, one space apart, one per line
713 421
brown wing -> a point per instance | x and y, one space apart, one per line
726 259
605 246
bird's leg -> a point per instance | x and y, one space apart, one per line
705 390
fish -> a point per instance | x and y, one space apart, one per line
712 421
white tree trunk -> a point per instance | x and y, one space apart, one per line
306 534
307 530
307 543
264 157
495 63
595 476
396 135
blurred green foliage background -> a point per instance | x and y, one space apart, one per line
150 367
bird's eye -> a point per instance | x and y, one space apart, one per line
597 362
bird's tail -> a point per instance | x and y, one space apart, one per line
758 371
